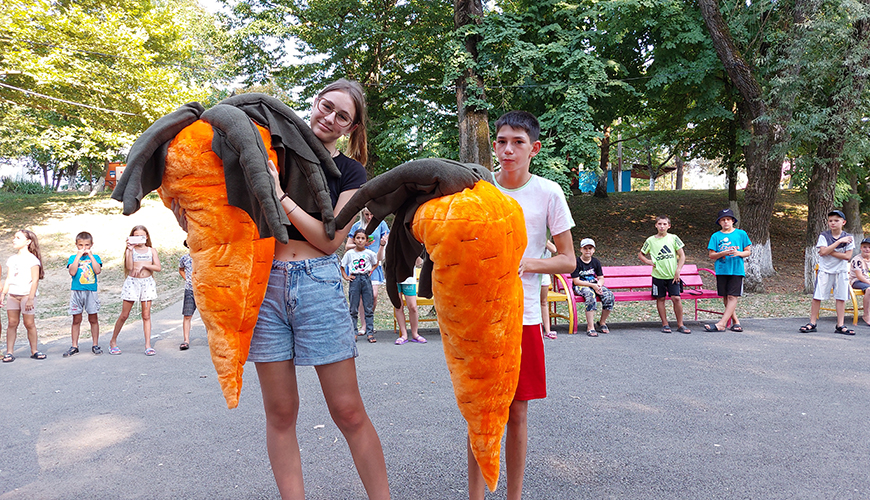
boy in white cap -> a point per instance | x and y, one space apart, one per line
588 282
728 247
835 249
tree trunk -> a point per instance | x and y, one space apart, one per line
763 172
846 98
99 186
652 172
853 212
474 142
617 176
678 183
601 188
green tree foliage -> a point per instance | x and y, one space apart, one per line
393 48
536 56
79 79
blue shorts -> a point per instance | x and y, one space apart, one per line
409 290
304 316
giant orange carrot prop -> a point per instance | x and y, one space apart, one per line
214 169
231 263
476 239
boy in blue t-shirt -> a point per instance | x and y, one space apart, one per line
84 267
728 248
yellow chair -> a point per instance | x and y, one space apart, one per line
857 297
554 298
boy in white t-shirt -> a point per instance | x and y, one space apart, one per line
545 209
360 263
835 249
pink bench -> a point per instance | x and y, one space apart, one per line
634 284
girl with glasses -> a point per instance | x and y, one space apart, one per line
304 318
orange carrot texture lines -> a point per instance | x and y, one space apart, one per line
476 239
231 263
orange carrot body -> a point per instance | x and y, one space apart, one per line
476 239
231 262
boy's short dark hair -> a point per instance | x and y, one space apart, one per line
360 230
663 217
84 235
521 120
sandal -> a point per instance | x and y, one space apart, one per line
602 328
97 350
809 327
713 328
551 335
736 328
114 350
592 333
683 329
419 339
184 346
666 329
37 355
150 351
72 350
845 331
8 358
401 341
372 339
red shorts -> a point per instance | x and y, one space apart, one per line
533 373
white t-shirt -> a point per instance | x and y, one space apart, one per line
356 262
830 264
19 274
544 208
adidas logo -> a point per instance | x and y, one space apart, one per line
665 253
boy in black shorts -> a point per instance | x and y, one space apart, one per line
728 248
664 251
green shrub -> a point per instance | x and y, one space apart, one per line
21 186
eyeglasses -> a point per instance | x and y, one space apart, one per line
327 108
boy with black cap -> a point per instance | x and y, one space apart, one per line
728 247
835 249
859 275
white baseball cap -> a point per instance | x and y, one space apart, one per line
586 242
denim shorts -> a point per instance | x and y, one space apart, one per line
304 316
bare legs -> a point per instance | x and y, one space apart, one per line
816 307
185 328
281 402
126 307
75 329
678 310
14 318
545 310
413 317
730 313
516 445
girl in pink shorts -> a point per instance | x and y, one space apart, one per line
24 270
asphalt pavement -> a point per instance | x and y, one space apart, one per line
635 414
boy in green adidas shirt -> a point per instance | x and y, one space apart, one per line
664 251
